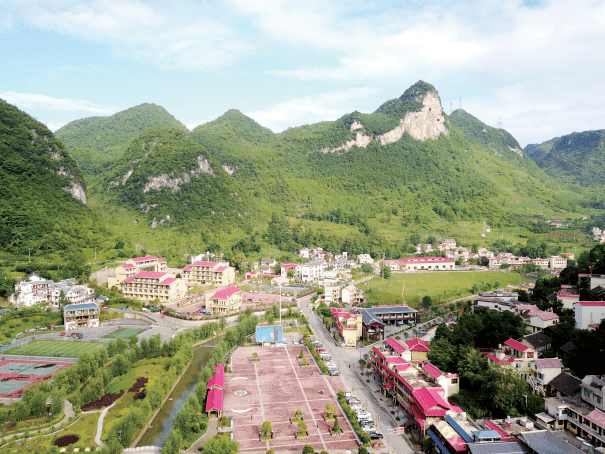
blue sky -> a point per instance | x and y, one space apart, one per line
536 64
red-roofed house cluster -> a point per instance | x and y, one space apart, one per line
411 381
133 266
212 273
216 384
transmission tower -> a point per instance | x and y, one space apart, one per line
460 104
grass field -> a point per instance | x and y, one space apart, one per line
63 349
440 287
124 333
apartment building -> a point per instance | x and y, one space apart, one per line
349 326
557 263
37 290
150 285
211 273
542 372
85 315
514 354
331 294
365 258
588 313
352 295
310 272
225 301
136 265
412 264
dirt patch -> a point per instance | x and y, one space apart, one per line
66 440
139 384
104 401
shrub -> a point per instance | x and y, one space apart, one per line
308 449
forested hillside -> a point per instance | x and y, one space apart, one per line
578 157
174 180
96 142
42 195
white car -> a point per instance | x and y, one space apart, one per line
362 414
371 428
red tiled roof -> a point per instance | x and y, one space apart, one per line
426 260
549 362
161 261
187 268
204 263
566 294
144 259
432 370
546 315
496 427
402 367
417 341
417 415
395 345
289 265
593 326
596 416
128 279
420 348
591 303
168 281
395 360
516 345
220 269
127 266
150 274
388 385
219 369
499 361
430 404
378 352
225 293
452 375
217 380
214 400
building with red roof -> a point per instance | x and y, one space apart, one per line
225 301
209 273
514 354
151 285
542 372
136 265
349 326
214 402
414 264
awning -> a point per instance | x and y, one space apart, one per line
459 429
442 448
545 417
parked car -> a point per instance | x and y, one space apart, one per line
81 336
105 308
62 333
362 414
369 428
375 436
122 308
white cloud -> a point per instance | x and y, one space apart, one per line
311 109
169 37
43 102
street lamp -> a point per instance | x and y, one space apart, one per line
525 395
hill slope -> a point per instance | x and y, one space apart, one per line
42 195
96 142
174 180
578 157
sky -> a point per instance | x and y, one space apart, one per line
534 66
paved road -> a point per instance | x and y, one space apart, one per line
344 357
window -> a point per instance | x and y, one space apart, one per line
530 355
586 392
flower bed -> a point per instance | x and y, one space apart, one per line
66 440
104 401
138 385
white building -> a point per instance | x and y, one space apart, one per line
331 294
81 315
589 313
592 388
412 264
310 272
543 371
37 290
557 263
352 295
365 258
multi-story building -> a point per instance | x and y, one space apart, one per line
557 263
499 301
81 315
212 273
331 293
588 313
287 267
365 258
225 301
352 295
514 354
577 418
151 285
310 272
411 264
542 372
536 319
136 265
568 296
37 290
592 388
375 318
349 326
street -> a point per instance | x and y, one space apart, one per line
348 356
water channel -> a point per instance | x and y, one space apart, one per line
162 423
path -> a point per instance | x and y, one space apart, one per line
100 426
211 431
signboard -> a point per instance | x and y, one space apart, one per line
398 430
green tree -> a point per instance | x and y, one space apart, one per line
133 341
336 426
385 271
367 268
174 442
427 302
222 322
266 429
308 449
302 427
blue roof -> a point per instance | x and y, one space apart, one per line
270 333
486 434
459 429
443 449
74 307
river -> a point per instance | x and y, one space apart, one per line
162 423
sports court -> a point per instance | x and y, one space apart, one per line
272 389
124 333
16 375
55 348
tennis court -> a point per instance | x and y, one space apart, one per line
9 386
124 333
59 348
29 369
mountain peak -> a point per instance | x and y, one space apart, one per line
418 90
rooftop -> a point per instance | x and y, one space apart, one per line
151 274
566 383
225 293
74 307
516 345
549 362
144 259
545 442
538 340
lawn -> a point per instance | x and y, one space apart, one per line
441 287
9 328
61 348
124 333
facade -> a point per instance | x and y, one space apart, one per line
557 263
310 272
365 258
412 264
588 313
375 318
564 385
538 341
81 315
225 301
568 297
151 285
536 319
577 418
211 273
331 294
542 372
352 295
514 354
592 388
37 290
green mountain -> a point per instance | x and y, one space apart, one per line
42 192
578 157
174 180
96 142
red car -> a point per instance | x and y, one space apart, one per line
62 333
104 307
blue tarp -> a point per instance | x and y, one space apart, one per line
459 429
443 449
270 333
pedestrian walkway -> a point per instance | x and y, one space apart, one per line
211 431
